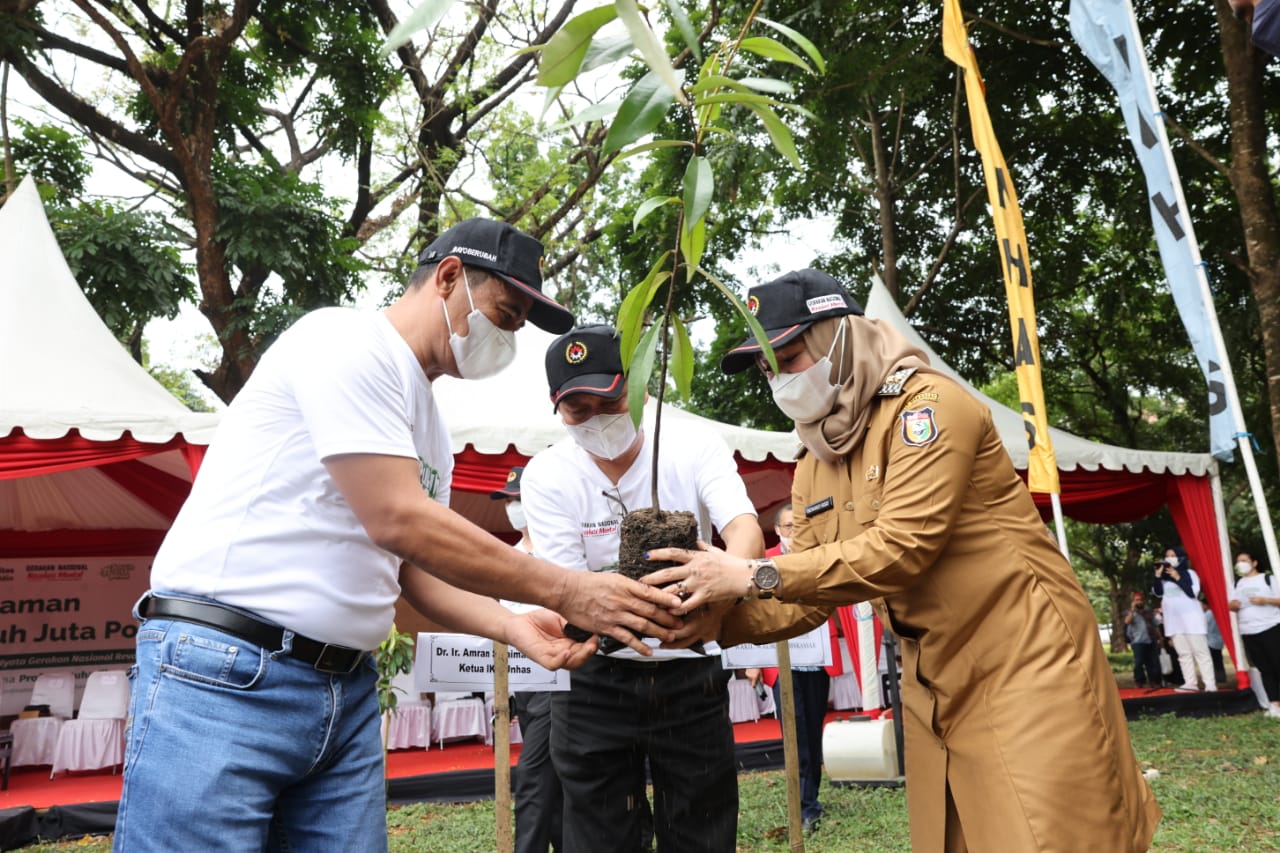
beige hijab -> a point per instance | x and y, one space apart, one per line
870 351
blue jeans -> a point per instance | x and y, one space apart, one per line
233 747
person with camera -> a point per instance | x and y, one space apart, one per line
1184 623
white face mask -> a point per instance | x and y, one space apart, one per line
1243 568
515 515
786 544
604 436
809 395
1171 561
486 349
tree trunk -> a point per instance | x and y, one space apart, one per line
1252 185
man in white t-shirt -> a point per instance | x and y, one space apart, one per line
669 710
324 496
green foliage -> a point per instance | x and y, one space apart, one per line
179 384
393 657
126 261
52 156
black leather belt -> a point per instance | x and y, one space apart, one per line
325 657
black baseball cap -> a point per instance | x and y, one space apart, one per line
512 487
587 360
786 307
508 253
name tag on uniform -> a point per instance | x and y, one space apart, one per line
820 507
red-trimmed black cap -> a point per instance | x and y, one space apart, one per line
587 360
786 307
508 253
512 487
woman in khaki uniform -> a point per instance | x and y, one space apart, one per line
1015 735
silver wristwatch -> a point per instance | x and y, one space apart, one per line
765 577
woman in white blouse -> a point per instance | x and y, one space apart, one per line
1256 602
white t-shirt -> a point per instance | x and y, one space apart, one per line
265 527
573 524
1182 614
1256 618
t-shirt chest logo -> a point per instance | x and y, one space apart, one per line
919 427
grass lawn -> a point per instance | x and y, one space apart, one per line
1219 786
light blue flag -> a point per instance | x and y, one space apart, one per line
1108 34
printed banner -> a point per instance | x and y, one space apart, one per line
464 663
73 614
811 649
1108 34
1042 470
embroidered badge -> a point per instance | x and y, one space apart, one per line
873 472
818 508
575 352
753 304
931 396
893 383
511 475
918 427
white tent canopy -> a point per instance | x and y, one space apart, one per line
1072 451
63 373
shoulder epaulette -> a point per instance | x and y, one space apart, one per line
892 386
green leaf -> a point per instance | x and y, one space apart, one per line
606 51
650 47
424 17
641 369
804 44
636 303
778 132
693 241
737 98
649 205
710 82
682 360
699 184
768 84
752 323
685 26
595 112
657 143
563 54
773 49
641 111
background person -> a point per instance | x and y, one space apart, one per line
539 802
253 714
1213 638
673 709
1178 585
1141 633
1256 600
1015 735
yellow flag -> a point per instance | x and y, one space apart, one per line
1042 471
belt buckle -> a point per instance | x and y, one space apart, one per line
332 660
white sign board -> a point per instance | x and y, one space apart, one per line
811 649
463 663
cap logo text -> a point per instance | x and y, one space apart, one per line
824 303
476 253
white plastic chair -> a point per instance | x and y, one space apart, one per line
35 738
95 739
409 722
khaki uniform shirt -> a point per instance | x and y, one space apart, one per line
1015 735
